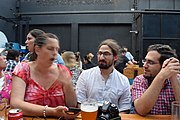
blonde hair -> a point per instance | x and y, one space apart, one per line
69 59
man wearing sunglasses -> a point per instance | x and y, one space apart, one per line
104 82
155 90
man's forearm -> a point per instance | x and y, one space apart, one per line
145 103
176 87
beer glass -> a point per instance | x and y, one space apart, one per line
89 109
175 110
3 110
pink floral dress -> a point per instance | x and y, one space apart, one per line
36 94
5 92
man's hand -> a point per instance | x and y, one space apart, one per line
171 67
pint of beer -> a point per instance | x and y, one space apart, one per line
89 110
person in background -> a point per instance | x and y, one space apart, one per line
122 62
88 61
129 56
13 57
59 59
155 90
42 87
5 81
31 36
104 82
70 62
90 56
78 59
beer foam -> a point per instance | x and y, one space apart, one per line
89 108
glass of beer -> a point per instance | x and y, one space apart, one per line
89 109
175 110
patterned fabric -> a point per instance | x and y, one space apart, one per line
10 65
5 93
165 98
76 71
36 94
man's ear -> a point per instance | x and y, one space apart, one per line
116 58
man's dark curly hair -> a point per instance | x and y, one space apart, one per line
164 50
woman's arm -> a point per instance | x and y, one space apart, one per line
66 79
29 109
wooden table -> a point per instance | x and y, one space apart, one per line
148 117
123 117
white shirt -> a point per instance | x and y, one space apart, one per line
116 89
129 56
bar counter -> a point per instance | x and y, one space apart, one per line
123 117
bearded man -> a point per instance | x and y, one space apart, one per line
104 82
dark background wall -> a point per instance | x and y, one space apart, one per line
7 8
82 24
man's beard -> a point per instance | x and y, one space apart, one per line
150 79
104 65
